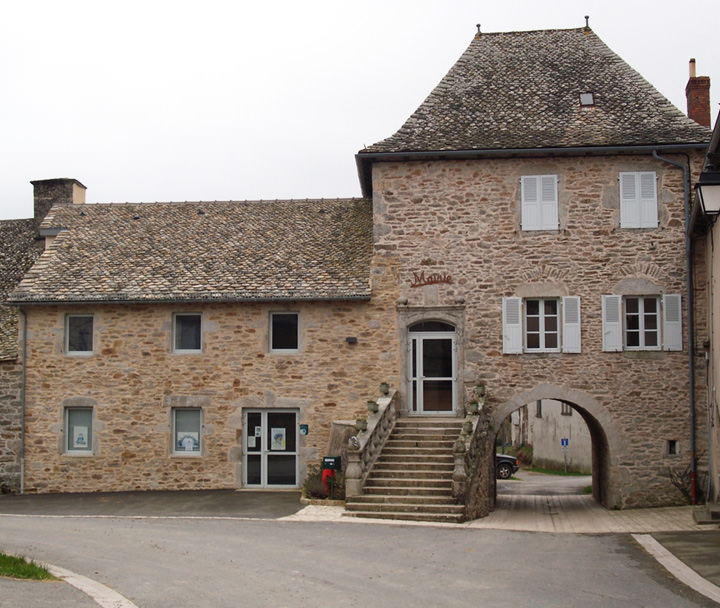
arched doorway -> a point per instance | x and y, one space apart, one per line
606 444
432 368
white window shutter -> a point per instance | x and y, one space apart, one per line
549 202
612 339
512 325
571 324
629 201
672 322
530 192
648 199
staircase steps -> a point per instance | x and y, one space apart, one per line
412 476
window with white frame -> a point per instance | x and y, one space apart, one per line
284 332
539 194
187 332
649 322
187 430
541 325
638 199
79 334
542 330
565 409
79 430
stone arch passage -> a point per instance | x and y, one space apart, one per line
606 440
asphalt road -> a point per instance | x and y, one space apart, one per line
541 484
158 563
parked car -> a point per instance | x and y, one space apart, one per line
505 466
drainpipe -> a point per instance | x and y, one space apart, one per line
22 402
691 317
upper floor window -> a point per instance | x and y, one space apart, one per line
565 409
541 325
284 331
638 200
642 322
539 202
79 334
187 332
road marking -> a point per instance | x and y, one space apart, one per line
103 595
677 568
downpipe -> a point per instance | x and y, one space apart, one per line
22 401
691 318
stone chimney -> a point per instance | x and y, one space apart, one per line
60 191
697 93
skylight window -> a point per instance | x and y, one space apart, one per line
587 99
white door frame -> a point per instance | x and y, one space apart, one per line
415 363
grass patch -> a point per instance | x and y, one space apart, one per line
18 567
556 472
586 490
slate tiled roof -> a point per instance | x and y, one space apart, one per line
221 251
520 90
18 250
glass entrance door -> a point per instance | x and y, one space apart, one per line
270 448
432 368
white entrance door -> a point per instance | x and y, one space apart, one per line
432 368
270 448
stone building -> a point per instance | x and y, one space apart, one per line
521 237
706 232
21 246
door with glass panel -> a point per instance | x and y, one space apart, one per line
270 448
432 368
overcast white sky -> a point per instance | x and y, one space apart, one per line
150 100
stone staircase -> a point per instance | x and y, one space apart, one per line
412 476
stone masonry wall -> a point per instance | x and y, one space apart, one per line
133 377
462 219
10 425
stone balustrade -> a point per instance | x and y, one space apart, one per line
470 472
363 448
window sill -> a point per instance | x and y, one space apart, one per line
87 454
81 354
182 455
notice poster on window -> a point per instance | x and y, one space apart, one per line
277 439
251 443
188 442
80 437
258 431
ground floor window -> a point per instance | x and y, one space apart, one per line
78 430
187 430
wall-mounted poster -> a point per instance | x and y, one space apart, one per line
80 437
277 439
188 442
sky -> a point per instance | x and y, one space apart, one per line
156 100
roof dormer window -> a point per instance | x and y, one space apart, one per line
587 99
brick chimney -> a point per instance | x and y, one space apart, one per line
60 191
697 93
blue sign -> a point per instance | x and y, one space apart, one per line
564 442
